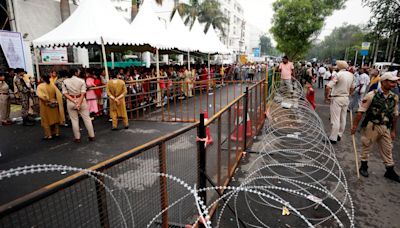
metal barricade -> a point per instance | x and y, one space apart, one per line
131 190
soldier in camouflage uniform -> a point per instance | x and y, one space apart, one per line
379 125
25 93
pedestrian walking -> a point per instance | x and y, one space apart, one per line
51 108
337 95
379 125
74 89
321 74
4 100
25 94
287 72
116 91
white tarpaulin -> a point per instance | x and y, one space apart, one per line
182 38
91 21
13 49
149 29
200 38
214 42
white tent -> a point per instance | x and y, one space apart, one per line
93 22
198 37
177 29
214 42
148 29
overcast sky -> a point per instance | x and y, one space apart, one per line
259 13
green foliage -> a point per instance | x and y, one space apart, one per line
385 18
334 46
266 46
296 23
208 12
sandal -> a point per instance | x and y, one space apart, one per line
47 138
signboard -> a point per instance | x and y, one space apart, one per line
257 52
364 48
365 45
243 59
364 52
54 55
13 49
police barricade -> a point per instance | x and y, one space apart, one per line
132 189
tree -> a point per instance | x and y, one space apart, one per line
266 46
385 26
296 23
135 7
208 12
342 43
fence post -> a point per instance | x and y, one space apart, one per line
102 202
246 105
163 183
201 158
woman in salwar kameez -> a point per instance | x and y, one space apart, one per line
51 108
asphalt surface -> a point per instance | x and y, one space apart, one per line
376 199
22 145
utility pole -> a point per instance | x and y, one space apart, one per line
355 59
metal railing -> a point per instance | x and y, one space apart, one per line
129 190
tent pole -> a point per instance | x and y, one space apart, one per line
189 60
112 60
158 79
209 68
35 50
103 50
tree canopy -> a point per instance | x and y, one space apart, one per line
296 23
266 46
342 40
385 17
208 12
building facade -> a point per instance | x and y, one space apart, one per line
235 31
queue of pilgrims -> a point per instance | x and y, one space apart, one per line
62 96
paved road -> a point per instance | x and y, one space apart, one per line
22 146
376 199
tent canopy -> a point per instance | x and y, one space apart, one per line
91 21
148 29
214 42
177 29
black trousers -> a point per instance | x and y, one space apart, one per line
320 82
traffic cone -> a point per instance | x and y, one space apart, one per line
249 131
209 139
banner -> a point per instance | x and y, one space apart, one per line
11 44
257 52
54 55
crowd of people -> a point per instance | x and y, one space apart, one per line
373 95
62 96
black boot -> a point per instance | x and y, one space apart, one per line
364 169
391 174
26 122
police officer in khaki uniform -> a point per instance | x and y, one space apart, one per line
74 89
381 111
25 93
337 93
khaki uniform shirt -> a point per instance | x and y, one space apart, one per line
341 84
74 86
367 100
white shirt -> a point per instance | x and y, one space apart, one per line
341 84
363 79
322 71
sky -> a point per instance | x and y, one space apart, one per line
259 13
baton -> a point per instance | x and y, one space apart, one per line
354 146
